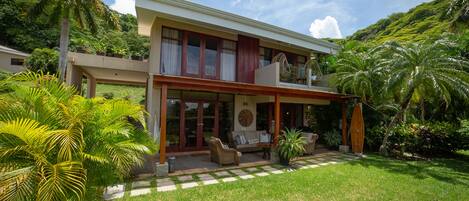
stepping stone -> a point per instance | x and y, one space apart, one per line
301 162
141 184
229 179
222 174
207 179
164 183
189 185
239 172
185 178
141 191
164 179
114 192
313 166
262 174
248 176
252 169
166 188
313 161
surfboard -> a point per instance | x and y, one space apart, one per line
357 129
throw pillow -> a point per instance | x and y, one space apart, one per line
264 138
225 146
243 139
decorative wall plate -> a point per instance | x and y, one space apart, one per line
245 118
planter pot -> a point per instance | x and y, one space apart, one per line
284 161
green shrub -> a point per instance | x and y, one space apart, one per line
108 95
43 59
331 138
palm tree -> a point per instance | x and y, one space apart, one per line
359 72
55 145
459 10
424 69
84 12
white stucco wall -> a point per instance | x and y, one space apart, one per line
244 102
5 63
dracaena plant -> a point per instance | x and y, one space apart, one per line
291 144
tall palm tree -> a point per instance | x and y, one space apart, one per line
84 12
359 72
55 145
424 69
459 10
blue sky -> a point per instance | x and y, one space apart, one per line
319 18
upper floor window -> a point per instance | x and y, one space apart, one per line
265 56
171 52
17 61
197 55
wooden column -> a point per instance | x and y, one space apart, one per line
164 97
277 118
344 123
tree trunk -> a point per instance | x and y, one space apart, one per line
383 149
64 40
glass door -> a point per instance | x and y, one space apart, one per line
199 124
191 124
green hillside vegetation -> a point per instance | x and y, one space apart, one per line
426 21
18 30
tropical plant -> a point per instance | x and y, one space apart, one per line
43 59
331 138
67 11
359 73
290 145
424 69
56 145
459 10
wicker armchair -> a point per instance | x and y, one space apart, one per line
311 139
221 155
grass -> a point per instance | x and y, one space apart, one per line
134 93
372 178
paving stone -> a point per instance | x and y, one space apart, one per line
164 183
166 188
313 166
229 179
189 185
313 161
262 174
185 178
207 179
238 172
222 174
300 162
201 176
141 184
277 172
252 169
248 176
114 192
141 191
210 181
164 179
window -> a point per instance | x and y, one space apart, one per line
17 62
171 52
228 61
193 54
265 56
211 57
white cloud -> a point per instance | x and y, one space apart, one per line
124 6
326 28
235 2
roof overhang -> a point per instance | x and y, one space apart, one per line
13 51
149 10
188 83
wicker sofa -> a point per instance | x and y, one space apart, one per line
222 155
252 139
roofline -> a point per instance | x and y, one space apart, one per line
13 51
240 19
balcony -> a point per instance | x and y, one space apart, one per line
293 76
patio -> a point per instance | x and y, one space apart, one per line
215 175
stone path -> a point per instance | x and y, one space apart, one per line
143 187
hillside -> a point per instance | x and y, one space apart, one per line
427 20
20 31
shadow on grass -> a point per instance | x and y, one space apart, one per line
454 170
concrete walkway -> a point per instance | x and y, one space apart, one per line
146 186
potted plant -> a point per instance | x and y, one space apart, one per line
290 145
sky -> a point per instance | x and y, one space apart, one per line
318 18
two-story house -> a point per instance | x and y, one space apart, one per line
211 72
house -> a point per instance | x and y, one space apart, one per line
11 60
211 72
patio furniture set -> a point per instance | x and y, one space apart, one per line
250 141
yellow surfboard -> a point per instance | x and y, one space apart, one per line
357 130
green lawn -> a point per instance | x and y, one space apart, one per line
135 93
372 178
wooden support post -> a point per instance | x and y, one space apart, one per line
344 123
277 118
164 97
